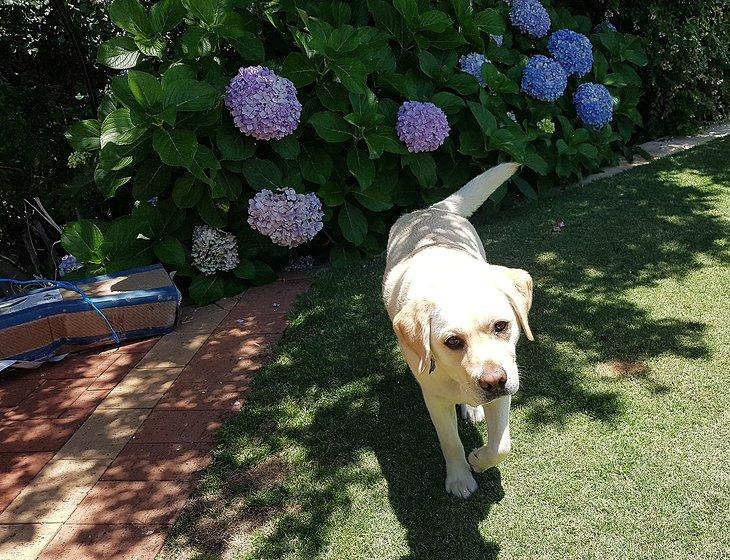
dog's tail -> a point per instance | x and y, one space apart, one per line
471 196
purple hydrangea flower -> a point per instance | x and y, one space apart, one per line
472 64
68 264
263 105
498 39
287 218
530 16
594 104
422 127
543 78
572 50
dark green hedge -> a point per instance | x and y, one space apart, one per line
48 80
687 79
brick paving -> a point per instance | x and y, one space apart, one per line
99 452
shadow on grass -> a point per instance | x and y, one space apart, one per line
339 409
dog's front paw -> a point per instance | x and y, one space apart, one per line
472 413
460 482
485 458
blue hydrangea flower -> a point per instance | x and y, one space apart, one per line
572 50
262 104
422 127
498 39
472 64
531 17
594 104
68 264
543 78
286 217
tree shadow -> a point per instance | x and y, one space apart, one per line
341 411
438 525
623 235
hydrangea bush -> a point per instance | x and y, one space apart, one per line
262 129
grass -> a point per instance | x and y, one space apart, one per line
621 431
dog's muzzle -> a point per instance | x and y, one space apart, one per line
494 380
493 383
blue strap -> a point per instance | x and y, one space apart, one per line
43 283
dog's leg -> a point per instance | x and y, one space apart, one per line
499 443
459 480
472 413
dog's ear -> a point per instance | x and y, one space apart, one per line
412 326
519 292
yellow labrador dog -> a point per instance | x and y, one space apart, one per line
457 319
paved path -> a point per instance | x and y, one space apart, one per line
99 452
661 148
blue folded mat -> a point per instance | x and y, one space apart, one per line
61 317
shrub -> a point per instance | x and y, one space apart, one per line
363 106
47 81
688 59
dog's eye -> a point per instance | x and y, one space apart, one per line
454 342
500 326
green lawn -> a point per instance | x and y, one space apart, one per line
620 432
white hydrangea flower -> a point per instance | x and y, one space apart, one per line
214 250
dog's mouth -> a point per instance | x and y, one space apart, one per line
489 396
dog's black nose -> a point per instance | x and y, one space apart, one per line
493 380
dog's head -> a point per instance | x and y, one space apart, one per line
470 334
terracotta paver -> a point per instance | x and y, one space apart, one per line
50 399
272 297
25 541
106 542
136 347
55 492
141 388
177 348
82 365
99 452
159 461
104 434
242 322
116 371
16 470
217 392
180 426
16 387
227 353
40 434
88 400
124 502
